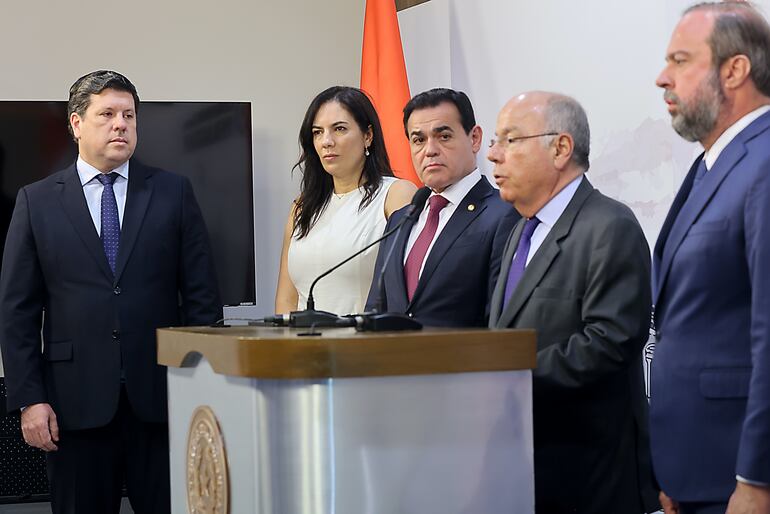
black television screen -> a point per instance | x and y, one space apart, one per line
210 143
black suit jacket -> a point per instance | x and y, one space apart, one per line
460 270
94 323
587 293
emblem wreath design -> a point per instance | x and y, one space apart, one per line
207 480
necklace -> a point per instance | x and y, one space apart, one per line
340 196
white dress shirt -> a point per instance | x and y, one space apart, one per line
550 213
455 194
728 135
92 189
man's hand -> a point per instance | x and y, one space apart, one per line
39 426
669 506
749 499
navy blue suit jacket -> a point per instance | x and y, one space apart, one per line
461 268
55 276
710 383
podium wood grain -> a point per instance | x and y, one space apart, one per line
283 353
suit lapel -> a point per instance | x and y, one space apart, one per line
684 211
137 200
75 207
496 303
398 265
461 218
694 204
545 255
676 206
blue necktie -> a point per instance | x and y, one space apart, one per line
699 173
520 258
110 222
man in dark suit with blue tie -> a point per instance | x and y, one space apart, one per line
710 379
442 266
97 259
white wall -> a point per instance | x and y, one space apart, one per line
605 53
275 54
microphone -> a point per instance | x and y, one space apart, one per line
416 207
313 318
377 321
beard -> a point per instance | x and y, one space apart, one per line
696 119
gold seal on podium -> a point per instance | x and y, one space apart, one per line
207 483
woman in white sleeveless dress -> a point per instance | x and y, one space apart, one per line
348 192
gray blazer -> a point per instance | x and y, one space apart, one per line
587 293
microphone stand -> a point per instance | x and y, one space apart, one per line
378 321
311 318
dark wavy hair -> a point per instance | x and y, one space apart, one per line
317 185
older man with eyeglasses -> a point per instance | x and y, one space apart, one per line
577 269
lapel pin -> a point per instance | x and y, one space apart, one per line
471 207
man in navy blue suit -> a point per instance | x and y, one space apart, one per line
97 257
710 381
444 265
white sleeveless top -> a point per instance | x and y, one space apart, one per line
340 231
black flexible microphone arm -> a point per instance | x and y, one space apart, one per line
381 277
418 202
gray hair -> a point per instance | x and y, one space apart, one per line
564 114
93 84
740 29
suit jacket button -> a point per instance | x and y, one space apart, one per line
116 335
116 290
411 315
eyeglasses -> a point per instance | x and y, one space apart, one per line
508 141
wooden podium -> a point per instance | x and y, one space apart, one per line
436 421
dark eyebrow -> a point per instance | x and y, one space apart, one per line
442 128
335 124
416 132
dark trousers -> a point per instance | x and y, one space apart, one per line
702 508
86 474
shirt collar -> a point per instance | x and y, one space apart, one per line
87 173
728 135
550 213
457 191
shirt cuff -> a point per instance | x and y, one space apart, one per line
750 482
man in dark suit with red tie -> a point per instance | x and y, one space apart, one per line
97 257
443 265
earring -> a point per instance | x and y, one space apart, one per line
366 151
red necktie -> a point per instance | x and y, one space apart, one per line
420 248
